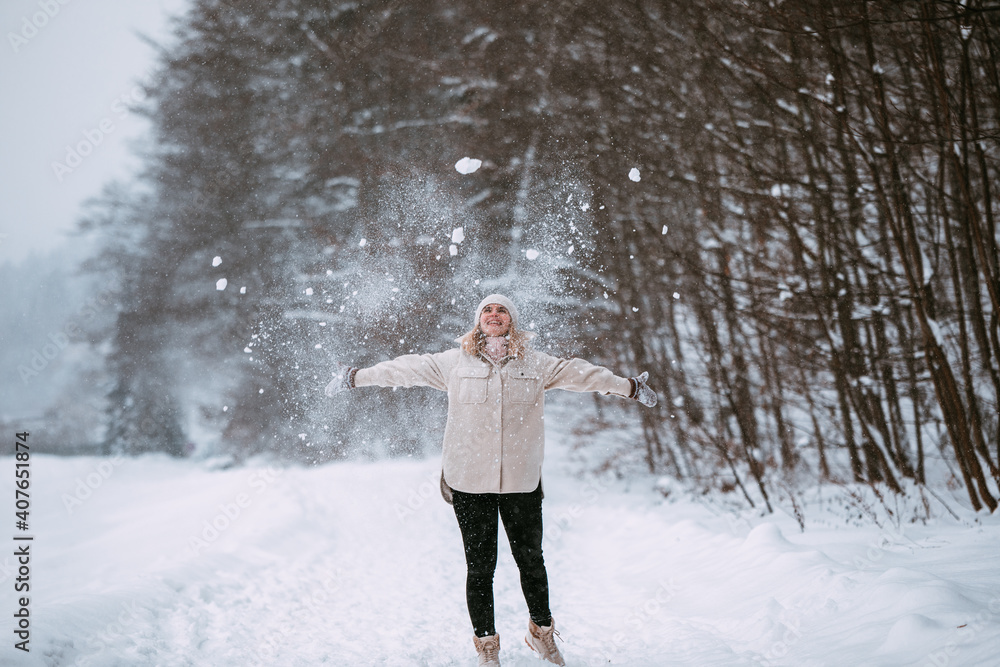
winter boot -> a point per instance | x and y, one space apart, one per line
488 649
543 639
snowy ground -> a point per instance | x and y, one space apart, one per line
172 563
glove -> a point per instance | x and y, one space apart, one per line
641 391
343 379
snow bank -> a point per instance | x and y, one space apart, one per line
170 562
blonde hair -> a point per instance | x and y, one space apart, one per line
474 342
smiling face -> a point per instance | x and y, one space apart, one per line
494 320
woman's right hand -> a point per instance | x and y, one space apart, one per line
343 379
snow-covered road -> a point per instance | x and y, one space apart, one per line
153 561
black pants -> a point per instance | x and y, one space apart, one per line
522 519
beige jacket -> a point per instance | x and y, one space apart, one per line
494 440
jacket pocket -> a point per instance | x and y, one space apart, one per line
524 388
473 384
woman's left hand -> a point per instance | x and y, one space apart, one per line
641 391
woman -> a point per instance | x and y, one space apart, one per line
494 442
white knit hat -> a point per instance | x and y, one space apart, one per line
501 300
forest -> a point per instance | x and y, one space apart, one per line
784 211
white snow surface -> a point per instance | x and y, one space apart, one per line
360 563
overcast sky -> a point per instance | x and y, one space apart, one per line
67 69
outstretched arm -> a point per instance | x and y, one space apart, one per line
409 370
581 375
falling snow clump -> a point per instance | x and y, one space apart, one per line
467 165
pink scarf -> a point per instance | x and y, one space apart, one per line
496 348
